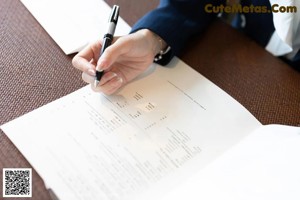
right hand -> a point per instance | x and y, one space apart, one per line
125 59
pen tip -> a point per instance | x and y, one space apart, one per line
96 83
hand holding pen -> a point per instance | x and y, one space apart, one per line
127 57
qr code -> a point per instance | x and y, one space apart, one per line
17 182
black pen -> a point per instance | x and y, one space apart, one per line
108 37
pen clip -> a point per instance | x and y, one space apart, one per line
114 14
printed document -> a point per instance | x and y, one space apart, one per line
263 166
152 135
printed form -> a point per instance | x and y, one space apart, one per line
140 143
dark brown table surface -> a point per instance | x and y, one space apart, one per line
34 71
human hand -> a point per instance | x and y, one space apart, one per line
125 59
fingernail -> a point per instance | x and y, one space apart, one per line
91 72
119 81
100 65
108 77
111 76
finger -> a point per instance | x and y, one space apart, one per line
92 51
88 78
84 65
107 77
112 53
111 83
110 86
85 60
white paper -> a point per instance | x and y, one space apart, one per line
263 166
74 23
137 144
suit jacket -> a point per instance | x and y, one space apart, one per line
176 21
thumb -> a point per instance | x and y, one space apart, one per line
111 54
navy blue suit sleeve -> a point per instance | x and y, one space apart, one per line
175 21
